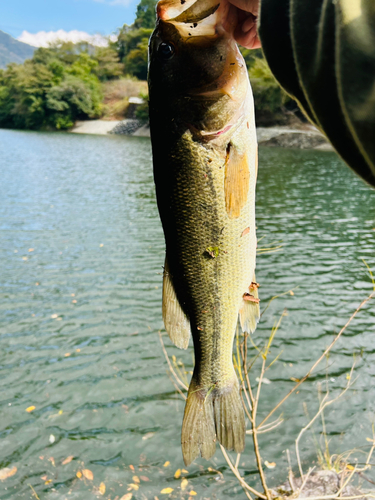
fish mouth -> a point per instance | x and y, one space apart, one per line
195 17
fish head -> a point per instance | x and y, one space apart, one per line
196 72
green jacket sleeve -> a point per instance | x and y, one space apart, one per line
322 52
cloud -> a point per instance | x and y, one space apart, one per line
44 38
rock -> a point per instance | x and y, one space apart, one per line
127 127
143 131
308 138
319 483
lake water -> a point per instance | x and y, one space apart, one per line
81 253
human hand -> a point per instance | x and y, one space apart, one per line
245 32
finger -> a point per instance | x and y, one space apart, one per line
248 24
249 40
251 6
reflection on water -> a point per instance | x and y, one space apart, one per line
81 252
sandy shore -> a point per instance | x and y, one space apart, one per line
97 127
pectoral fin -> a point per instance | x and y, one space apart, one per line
236 183
250 312
175 320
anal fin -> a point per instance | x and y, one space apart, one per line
250 311
176 322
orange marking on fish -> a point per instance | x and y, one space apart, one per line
236 182
253 286
250 298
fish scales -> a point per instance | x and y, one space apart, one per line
205 166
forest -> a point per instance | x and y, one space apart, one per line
67 82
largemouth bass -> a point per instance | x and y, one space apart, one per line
205 167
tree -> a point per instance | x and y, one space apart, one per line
132 47
268 95
136 60
53 89
109 65
145 14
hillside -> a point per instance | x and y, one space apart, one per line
11 50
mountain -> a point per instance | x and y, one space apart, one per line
11 50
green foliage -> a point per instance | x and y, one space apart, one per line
145 14
251 56
132 41
109 66
52 90
142 110
268 95
132 48
136 60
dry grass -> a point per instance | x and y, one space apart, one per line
116 96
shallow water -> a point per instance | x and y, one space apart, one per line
81 252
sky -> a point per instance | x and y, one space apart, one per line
89 16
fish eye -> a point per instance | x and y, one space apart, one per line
166 50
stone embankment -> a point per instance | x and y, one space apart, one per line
307 138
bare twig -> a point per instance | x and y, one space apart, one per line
346 482
371 274
324 403
290 472
264 353
267 428
300 490
255 433
245 369
184 386
365 477
34 492
277 296
242 392
176 386
329 497
240 479
363 303
372 447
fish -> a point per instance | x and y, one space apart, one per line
205 163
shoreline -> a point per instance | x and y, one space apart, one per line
307 137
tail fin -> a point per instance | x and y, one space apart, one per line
230 419
209 415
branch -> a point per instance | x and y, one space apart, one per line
324 403
364 302
184 386
237 474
